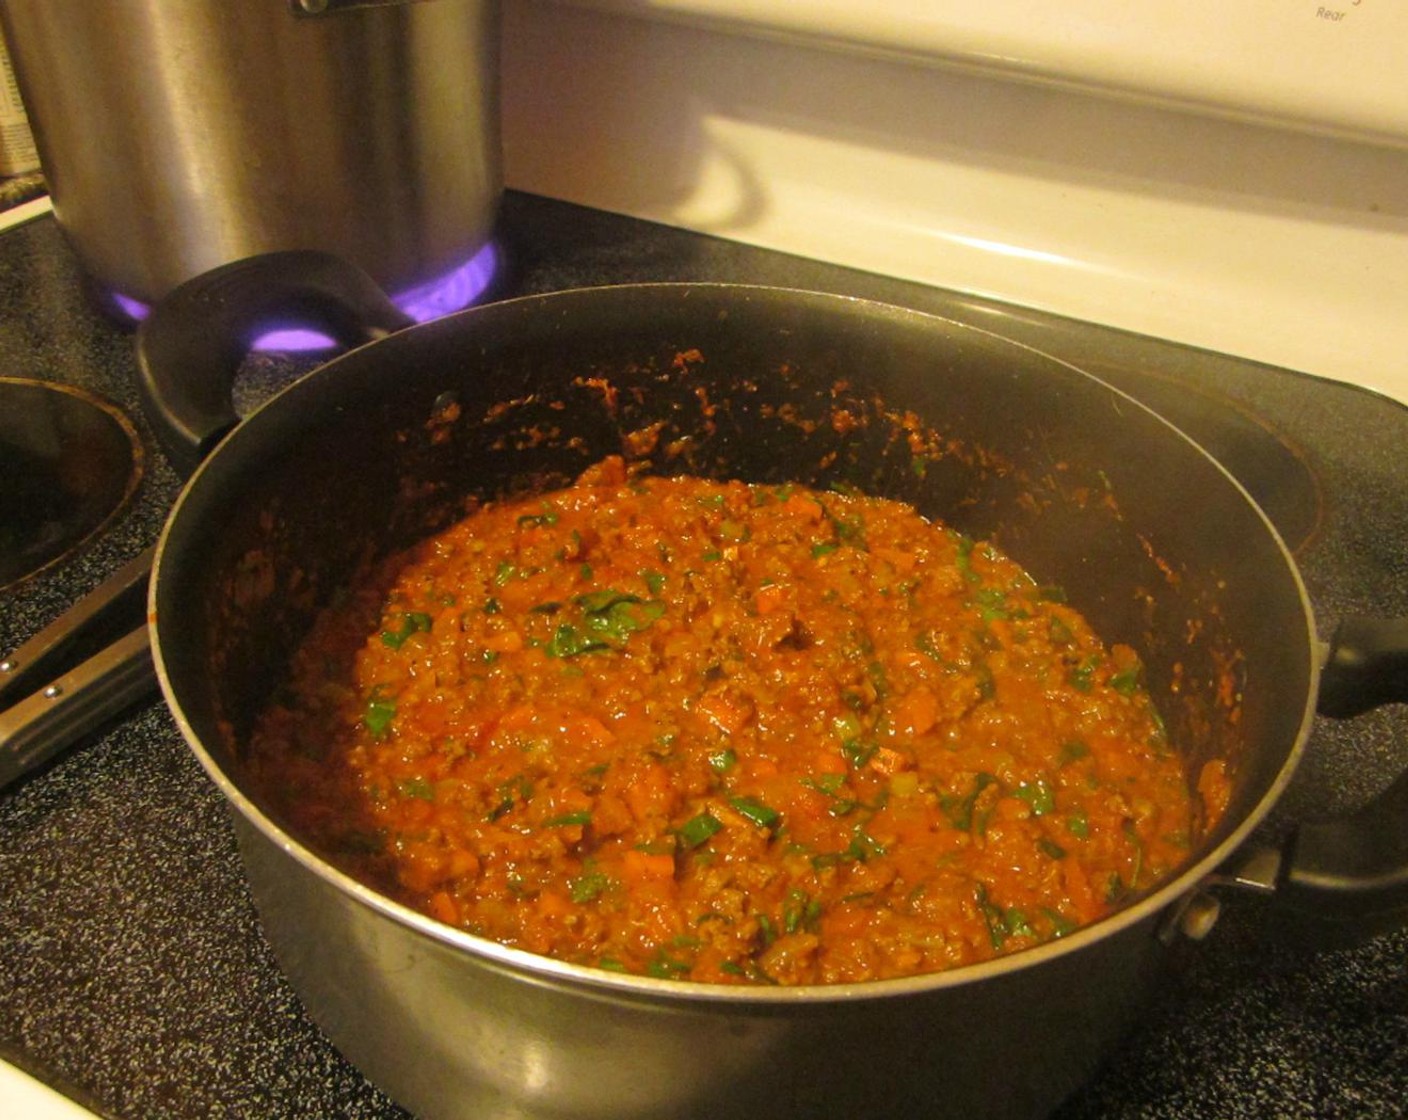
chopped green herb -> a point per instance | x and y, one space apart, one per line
1051 849
723 761
829 784
616 615
761 815
515 789
959 810
379 712
926 644
992 604
538 520
858 752
1016 922
847 725
506 573
568 641
698 829
593 601
993 916
1039 795
767 934
586 887
1060 924
1126 683
851 532
986 682
419 788
1082 676
666 967
966 544
1072 750
412 622
579 817
799 911
863 846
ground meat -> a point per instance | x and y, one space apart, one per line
725 732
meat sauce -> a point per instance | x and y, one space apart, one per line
726 732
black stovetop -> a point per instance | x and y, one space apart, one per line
132 968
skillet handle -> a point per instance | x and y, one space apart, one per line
190 348
1367 666
1347 878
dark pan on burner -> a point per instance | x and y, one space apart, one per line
69 463
1271 468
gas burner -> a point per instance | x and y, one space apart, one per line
71 462
451 292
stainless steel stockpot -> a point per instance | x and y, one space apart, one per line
178 135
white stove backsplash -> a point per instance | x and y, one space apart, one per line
1331 68
1273 243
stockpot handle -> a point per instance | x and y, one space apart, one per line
1347 877
192 345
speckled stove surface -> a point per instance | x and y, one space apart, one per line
132 967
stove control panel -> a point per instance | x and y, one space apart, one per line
1325 66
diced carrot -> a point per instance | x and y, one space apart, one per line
801 505
422 866
463 863
571 800
916 712
1077 884
649 793
638 866
505 641
518 717
611 815
829 761
443 908
903 562
587 731
770 598
724 712
553 904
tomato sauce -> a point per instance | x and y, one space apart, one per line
726 732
